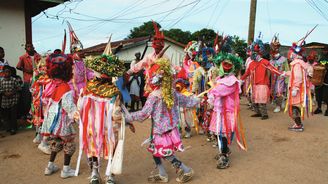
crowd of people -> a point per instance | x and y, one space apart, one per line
202 96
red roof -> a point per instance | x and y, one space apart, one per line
98 49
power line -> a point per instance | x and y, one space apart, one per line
171 12
217 4
183 16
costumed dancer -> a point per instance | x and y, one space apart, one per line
58 121
145 63
321 88
39 104
224 96
101 124
162 106
189 63
259 79
247 85
187 120
201 83
299 99
80 73
278 83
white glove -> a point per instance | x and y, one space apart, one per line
294 92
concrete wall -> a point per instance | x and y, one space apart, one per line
174 53
12 29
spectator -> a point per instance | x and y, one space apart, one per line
3 63
27 64
20 82
134 84
9 88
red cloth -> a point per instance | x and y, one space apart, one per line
259 69
25 64
61 89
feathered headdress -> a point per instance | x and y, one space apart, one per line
297 47
228 63
258 46
158 38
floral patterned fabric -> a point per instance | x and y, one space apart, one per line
59 117
165 136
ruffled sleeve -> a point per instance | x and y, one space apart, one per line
187 101
146 110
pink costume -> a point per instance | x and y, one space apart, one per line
299 81
80 76
225 99
165 137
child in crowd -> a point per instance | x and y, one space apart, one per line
9 90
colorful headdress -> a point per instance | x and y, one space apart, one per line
297 47
107 64
224 45
59 66
192 48
182 78
257 48
158 38
205 56
228 63
75 43
160 75
275 44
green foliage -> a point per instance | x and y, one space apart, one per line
144 30
178 35
205 35
239 46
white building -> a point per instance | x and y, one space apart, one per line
15 24
125 49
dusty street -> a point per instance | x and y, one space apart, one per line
275 156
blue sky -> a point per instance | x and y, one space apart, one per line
290 18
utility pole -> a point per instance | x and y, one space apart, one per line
251 26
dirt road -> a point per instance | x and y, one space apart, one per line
275 156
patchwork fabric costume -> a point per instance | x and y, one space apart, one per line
100 113
188 117
162 106
278 83
201 82
60 110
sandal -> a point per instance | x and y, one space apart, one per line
184 177
157 178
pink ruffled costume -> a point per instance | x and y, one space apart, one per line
165 137
225 99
